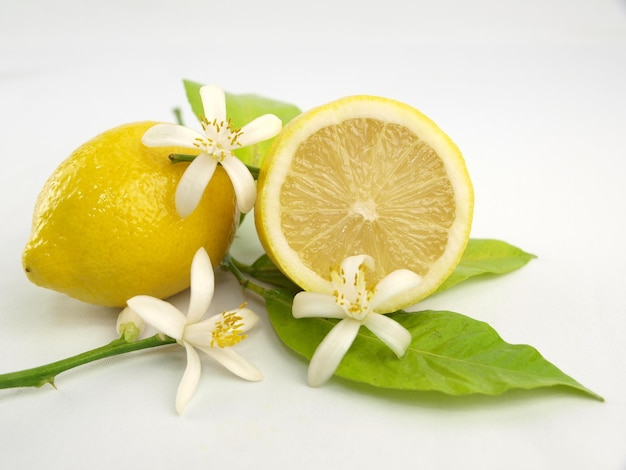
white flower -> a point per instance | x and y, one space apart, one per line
214 335
354 302
216 143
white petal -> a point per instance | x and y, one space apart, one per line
161 315
191 378
192 184
243 183
214 103
234 362
201 334
202 286
393 284
350 268
170 135
248 317
331 350
313 304
390 332
350 265
260 129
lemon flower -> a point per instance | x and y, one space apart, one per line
354 302
217 142
214 335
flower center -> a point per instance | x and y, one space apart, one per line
352 294
221 138
227 332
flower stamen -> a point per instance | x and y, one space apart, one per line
221 138
228 331
217 143
358 302
194 333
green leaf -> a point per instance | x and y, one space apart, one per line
242 109
450 353
481 256
486 256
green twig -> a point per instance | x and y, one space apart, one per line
178 115
46 374
38 376
230 264
180 157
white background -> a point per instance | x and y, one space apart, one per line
534 94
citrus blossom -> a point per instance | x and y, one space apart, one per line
216 144
214 335
355 303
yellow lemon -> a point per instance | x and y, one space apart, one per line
105 227
364 175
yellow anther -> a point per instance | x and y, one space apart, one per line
221 137
355 298
228 331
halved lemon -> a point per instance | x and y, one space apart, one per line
364 175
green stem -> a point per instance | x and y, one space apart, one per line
181 157
230 264
46 374
178 115
38 376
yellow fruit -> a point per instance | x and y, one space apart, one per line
364 175
105 227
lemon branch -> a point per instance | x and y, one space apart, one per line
232 265
46 374
181 157
38 376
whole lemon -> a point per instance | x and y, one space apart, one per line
105 227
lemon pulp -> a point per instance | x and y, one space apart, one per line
364 175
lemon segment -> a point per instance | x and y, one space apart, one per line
364 175
105 227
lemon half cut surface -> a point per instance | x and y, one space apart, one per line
364 175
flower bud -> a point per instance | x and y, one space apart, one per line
129 325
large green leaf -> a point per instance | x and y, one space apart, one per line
242 109
450 353
486 256
482 256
